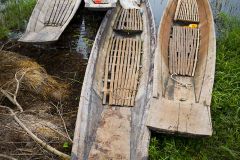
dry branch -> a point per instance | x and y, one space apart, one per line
13 97
64 124
7 157
34 137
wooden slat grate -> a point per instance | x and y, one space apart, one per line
129 20
121 72
187 10
58 12
183 51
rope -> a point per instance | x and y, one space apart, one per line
181 83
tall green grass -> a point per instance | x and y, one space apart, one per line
15 16
225 142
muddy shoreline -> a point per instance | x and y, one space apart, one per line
64 60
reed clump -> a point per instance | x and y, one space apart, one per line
35 78
14 15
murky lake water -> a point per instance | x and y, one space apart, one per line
80 34
67 58
231 7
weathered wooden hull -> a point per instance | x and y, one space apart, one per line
176 108
99 7
114 132
49 19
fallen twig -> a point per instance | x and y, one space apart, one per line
34 137
64 124
7 157
13 97
2 47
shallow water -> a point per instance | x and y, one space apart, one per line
80 34
231 7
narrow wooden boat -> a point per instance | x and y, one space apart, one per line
184 69
111 121
100 5
49 19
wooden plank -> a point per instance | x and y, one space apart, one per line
130 73
128 51
129 20
133 72
68 13
183 51
139 54
61 13
113 135
106 71
111 100
196 52
194 119
122 62
124 71
117 90
179 117
122 13
187 10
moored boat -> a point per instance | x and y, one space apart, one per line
184 69
49 19
100 5
111 121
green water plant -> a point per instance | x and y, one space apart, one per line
15 15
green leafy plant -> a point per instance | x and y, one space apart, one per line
15 15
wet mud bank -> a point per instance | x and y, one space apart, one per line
65 61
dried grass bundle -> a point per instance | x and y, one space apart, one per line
35 80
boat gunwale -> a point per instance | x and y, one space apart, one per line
205 95
87 87
35 18
85 95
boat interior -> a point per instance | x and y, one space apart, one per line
49 19
184 53
184 69
100 4
111 121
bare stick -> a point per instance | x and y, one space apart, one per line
13 97
34 137
64 124
55 130
10 98
2 47
7 157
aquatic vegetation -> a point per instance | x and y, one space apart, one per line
225 142
15 15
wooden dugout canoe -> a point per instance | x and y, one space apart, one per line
49 19
184 69
111 121
100 5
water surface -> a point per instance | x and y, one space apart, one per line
231 7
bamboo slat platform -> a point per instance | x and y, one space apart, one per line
129 20
115 98
184 69
187 10
59 12
49 19
183 50
122 71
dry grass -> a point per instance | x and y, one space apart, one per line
36 79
